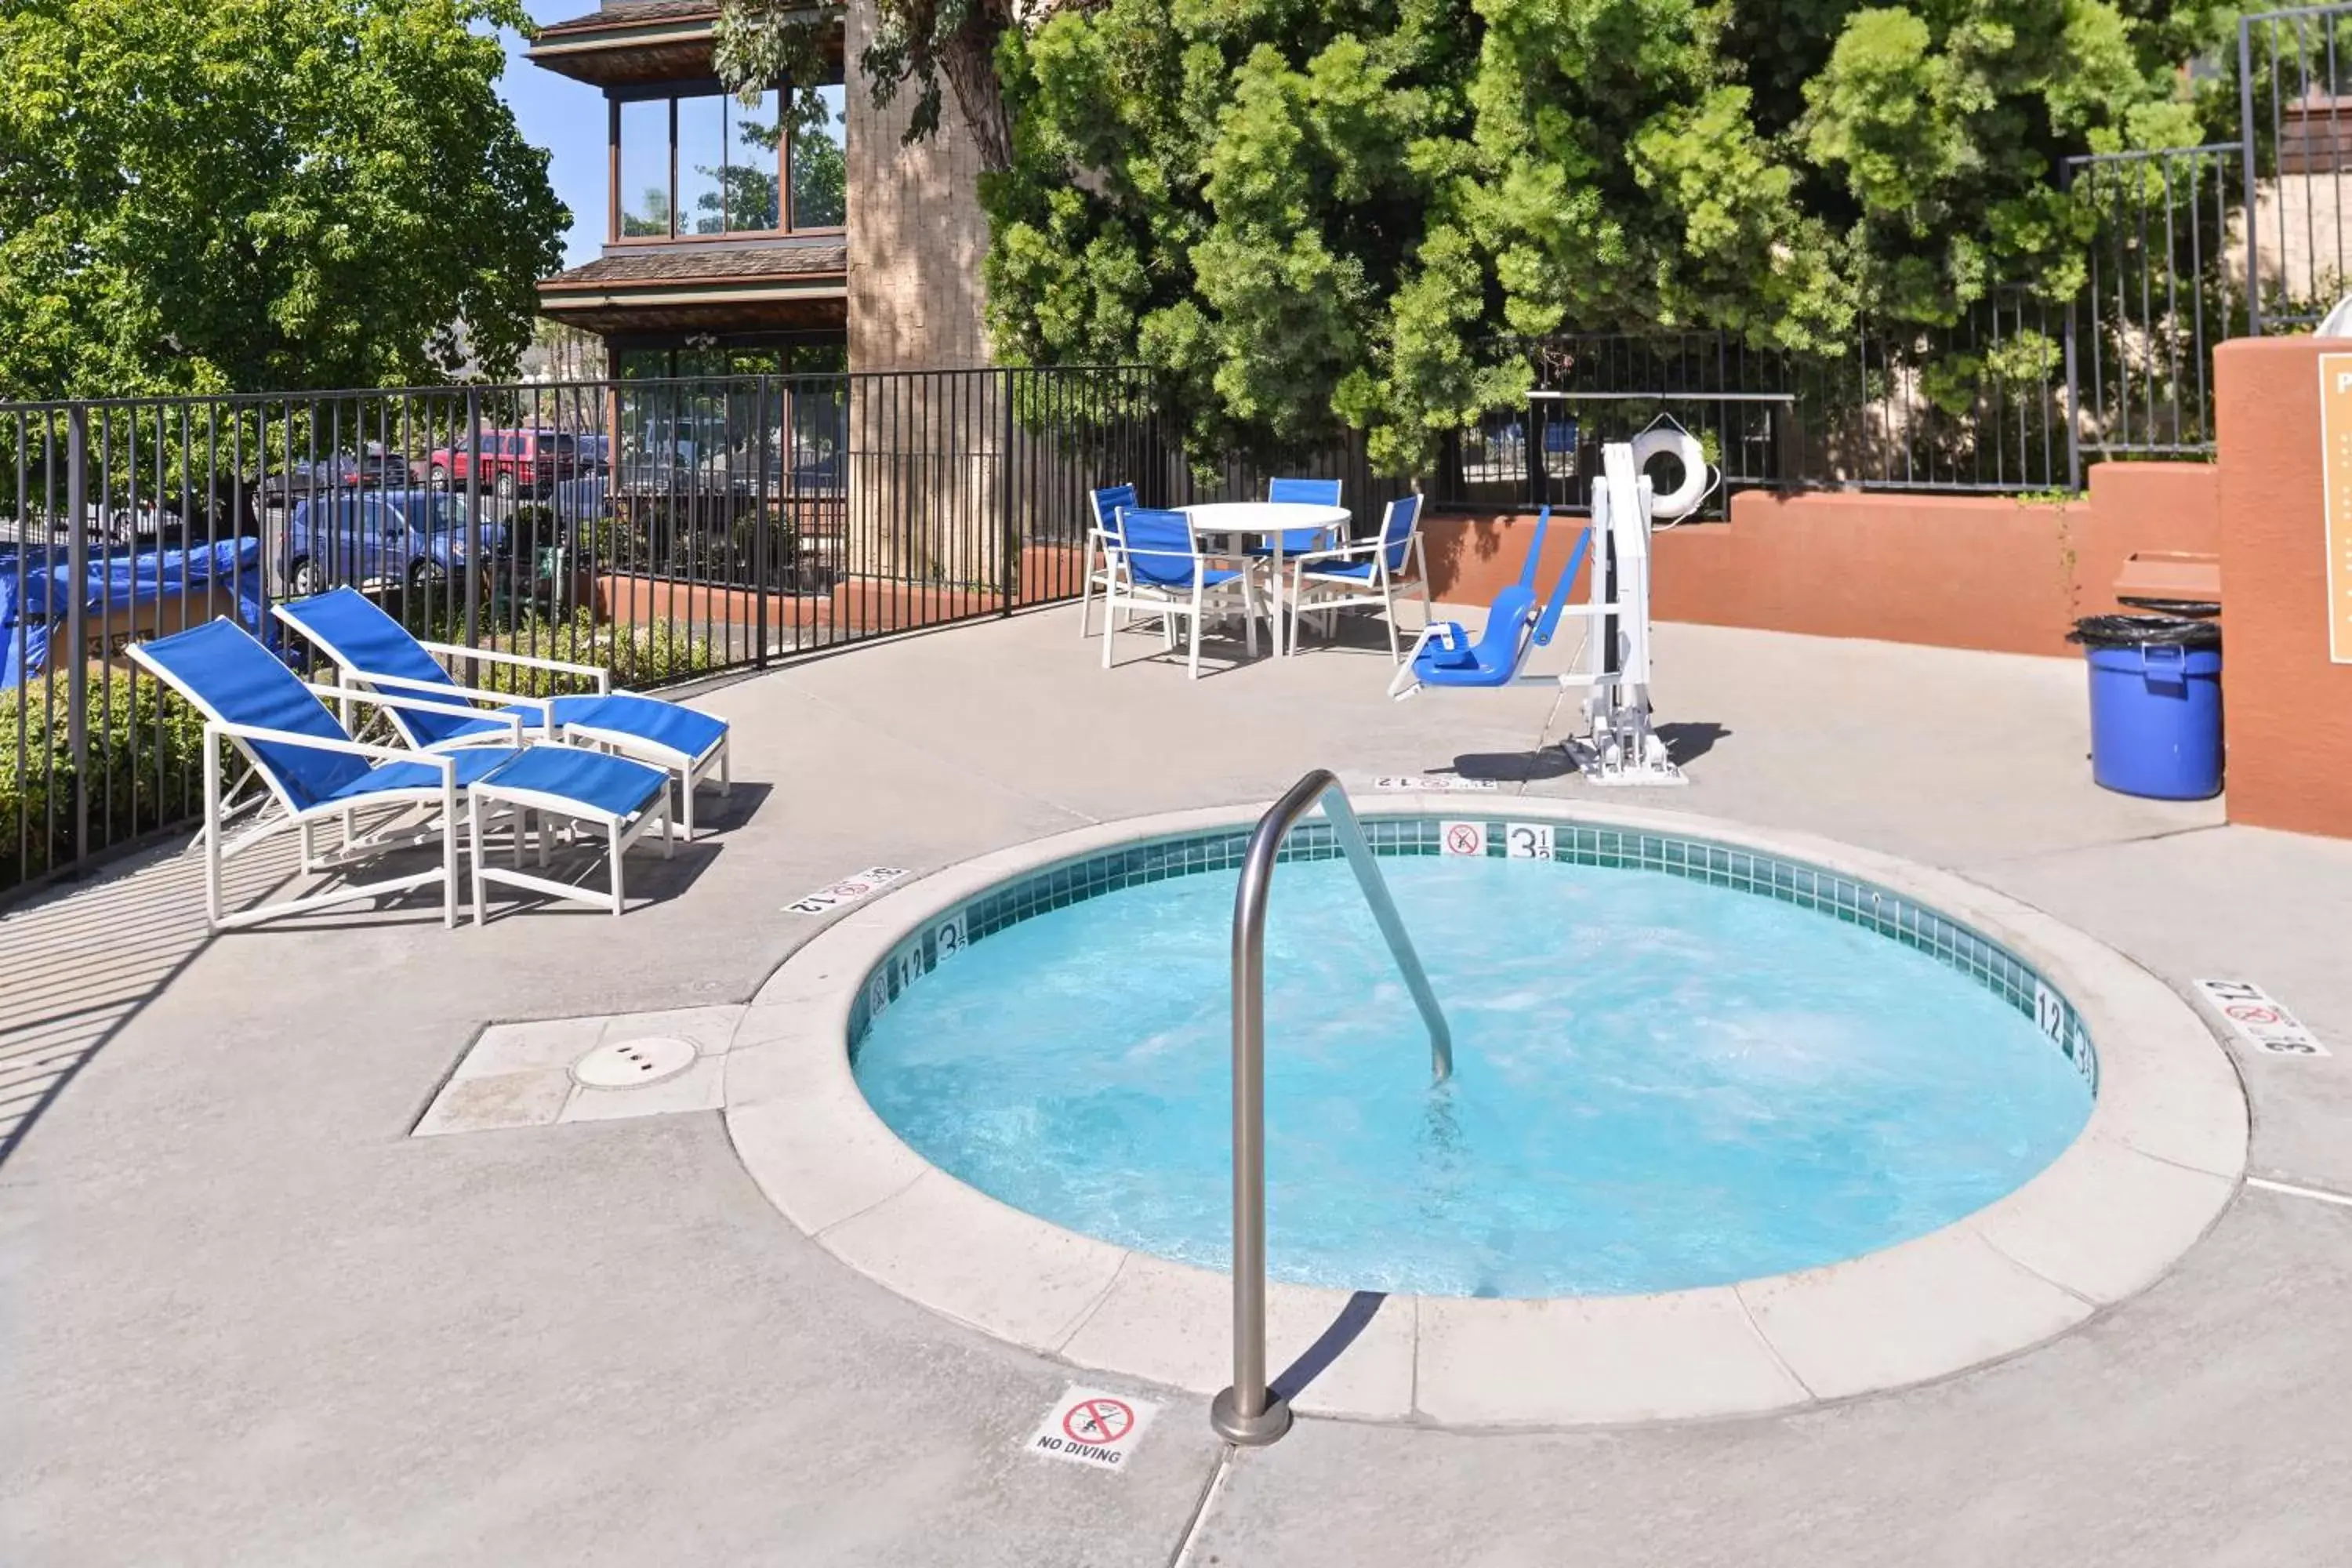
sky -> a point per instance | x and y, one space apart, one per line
567 118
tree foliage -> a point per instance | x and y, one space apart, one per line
206 194
1316 214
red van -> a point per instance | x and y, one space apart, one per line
514 462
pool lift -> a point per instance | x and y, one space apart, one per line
1620 746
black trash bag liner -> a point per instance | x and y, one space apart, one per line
2144 631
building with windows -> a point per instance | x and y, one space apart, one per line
796 233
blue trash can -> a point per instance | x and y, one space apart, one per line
2156 705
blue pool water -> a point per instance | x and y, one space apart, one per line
1658 1083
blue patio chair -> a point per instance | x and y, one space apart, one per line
1100 562
1368 573
315 771
1444 656
1163 569
1304 493
376 651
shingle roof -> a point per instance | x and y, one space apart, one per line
715 263
623 13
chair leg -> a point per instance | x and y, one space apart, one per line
1110 623
726 784
449 851
669 847
613 853
685 788
214 829
1085 587
1396 653
1195 662
474 825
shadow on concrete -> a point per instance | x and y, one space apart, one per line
1331 1343
1686 742
1513 767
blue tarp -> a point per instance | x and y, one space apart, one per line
32 608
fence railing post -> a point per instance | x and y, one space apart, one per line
1008 543
76 649
761 584
473 527
2246 159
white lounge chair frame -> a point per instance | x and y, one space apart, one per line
692 771
355 847
487 800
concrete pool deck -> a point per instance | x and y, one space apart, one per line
248 1319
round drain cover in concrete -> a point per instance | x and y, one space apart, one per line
631 1064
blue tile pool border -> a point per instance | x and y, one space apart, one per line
1889 914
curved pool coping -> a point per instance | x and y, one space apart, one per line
2161 1155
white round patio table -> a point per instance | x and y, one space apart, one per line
1241 522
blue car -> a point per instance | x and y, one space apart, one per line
388 538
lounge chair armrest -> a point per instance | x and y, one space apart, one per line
596 672
448 689
419 705
219 728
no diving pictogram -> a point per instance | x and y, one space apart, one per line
1098 1420
1092 1427
1464 837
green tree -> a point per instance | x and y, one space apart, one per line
200 194
1328 215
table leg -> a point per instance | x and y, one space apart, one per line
1281 647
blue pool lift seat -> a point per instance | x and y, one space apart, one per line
1516 625
377 652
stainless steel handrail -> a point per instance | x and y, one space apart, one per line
1248 1413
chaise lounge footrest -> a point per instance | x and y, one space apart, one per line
625 799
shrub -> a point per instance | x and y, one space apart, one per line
638 656
143 767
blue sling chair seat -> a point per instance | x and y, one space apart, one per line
376 651
1445 655
315 771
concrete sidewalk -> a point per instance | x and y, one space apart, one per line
248 1320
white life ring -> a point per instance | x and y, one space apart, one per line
1683 498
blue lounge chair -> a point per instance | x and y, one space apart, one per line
376 651
1445 657
316 772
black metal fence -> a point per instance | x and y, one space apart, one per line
663 530
1976 405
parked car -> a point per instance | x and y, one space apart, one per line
374 469
399 538
513 462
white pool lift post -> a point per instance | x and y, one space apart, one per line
1620 746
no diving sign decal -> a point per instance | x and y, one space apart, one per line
1093 1427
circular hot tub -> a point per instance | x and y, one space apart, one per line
1677 1064
1738 1120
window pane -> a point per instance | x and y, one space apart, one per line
645 167
752 165
820 161
702 164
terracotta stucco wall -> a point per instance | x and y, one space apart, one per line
1971 572
2289 709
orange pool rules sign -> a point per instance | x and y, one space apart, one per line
2336 467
